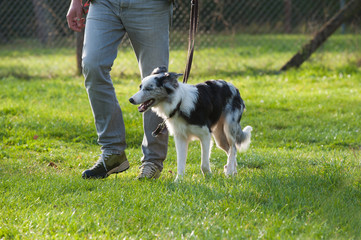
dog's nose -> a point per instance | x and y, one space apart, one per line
131 100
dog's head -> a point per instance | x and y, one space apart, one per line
157 87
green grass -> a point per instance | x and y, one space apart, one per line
301 178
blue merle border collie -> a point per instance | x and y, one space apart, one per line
213 108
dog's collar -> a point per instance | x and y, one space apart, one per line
162 125
175 110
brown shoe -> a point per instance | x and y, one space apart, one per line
148 170
106 165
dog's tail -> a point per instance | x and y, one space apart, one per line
243 139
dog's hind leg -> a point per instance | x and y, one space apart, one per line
206 147
181 145
220 137
231 167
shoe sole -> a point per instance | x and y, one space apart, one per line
155 176
124 166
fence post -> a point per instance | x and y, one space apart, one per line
79 50
343 26
288 15
45 28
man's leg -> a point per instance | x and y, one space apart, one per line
147 23
103 33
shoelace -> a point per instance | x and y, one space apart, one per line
149 169
103 157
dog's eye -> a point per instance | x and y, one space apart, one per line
140 86
148 88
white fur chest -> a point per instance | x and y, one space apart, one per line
178 126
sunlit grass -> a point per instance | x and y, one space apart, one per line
301 178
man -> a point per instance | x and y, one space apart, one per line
147 24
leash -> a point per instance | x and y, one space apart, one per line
86 7
162 126
191 41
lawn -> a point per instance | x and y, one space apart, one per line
300 179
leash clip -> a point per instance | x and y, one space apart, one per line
159 130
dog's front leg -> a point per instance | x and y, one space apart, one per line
181 145
206 147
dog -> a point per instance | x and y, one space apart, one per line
191 112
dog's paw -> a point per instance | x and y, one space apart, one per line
230 170
178 178
206 171
208 175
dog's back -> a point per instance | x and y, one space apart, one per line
215 97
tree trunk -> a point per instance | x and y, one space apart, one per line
321 36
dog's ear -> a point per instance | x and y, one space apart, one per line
173 76
158 70
170 81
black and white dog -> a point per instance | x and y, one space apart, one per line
196 112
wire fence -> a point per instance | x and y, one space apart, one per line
255 26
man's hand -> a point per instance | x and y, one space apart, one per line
75 18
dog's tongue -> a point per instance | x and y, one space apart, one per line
142 108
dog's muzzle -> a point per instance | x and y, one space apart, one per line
143 106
